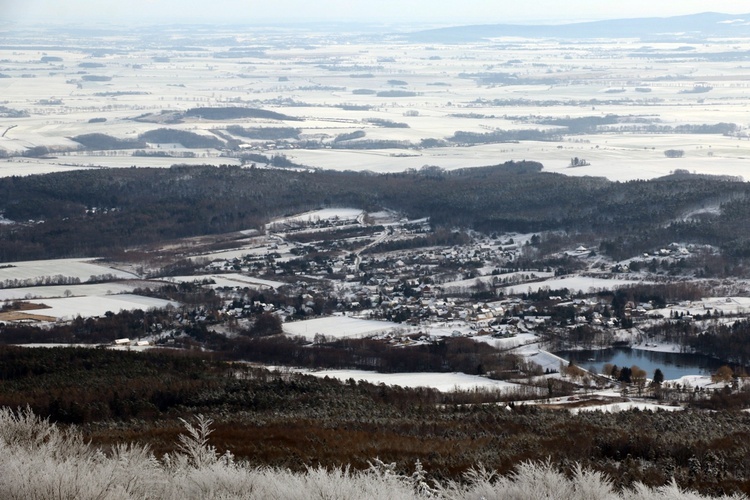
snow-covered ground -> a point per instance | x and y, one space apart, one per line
320 215
441 381
573 283
338 327
230 280
624 406
44 292
546 360
64 309
520 276
725 305
508 343
82 269
657 346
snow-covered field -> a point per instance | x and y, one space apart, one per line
617 157
625 406
521 339
520 276
444 382
720 305
544 359
93 306
38 270
44 292
573 283
338 327
230 280
321 215
445 96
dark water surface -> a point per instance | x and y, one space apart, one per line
672 364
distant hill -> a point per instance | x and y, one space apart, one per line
690 26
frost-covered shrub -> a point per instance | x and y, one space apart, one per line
38 460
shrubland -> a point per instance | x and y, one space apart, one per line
41 460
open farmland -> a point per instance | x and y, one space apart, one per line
441 381
57 272
59 291
345 102
67 308
337 327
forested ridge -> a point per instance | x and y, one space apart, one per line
97 212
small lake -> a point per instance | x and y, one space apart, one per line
672 364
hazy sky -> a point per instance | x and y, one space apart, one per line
388 11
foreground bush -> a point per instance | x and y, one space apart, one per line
40 460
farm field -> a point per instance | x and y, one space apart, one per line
346 103
68 308
576 283
60 271
59 291
229 280
337 327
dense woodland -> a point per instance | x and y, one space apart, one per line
141 206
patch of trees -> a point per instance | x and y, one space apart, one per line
96 78
37 152
463 137
382 122
364 92
236 113
396 93
187 139
349 136
102 142
674 153
659 294
354 107
728 342
7 112
584 124
57 279
265 133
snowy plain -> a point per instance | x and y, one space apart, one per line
338 327
80 269
68 308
